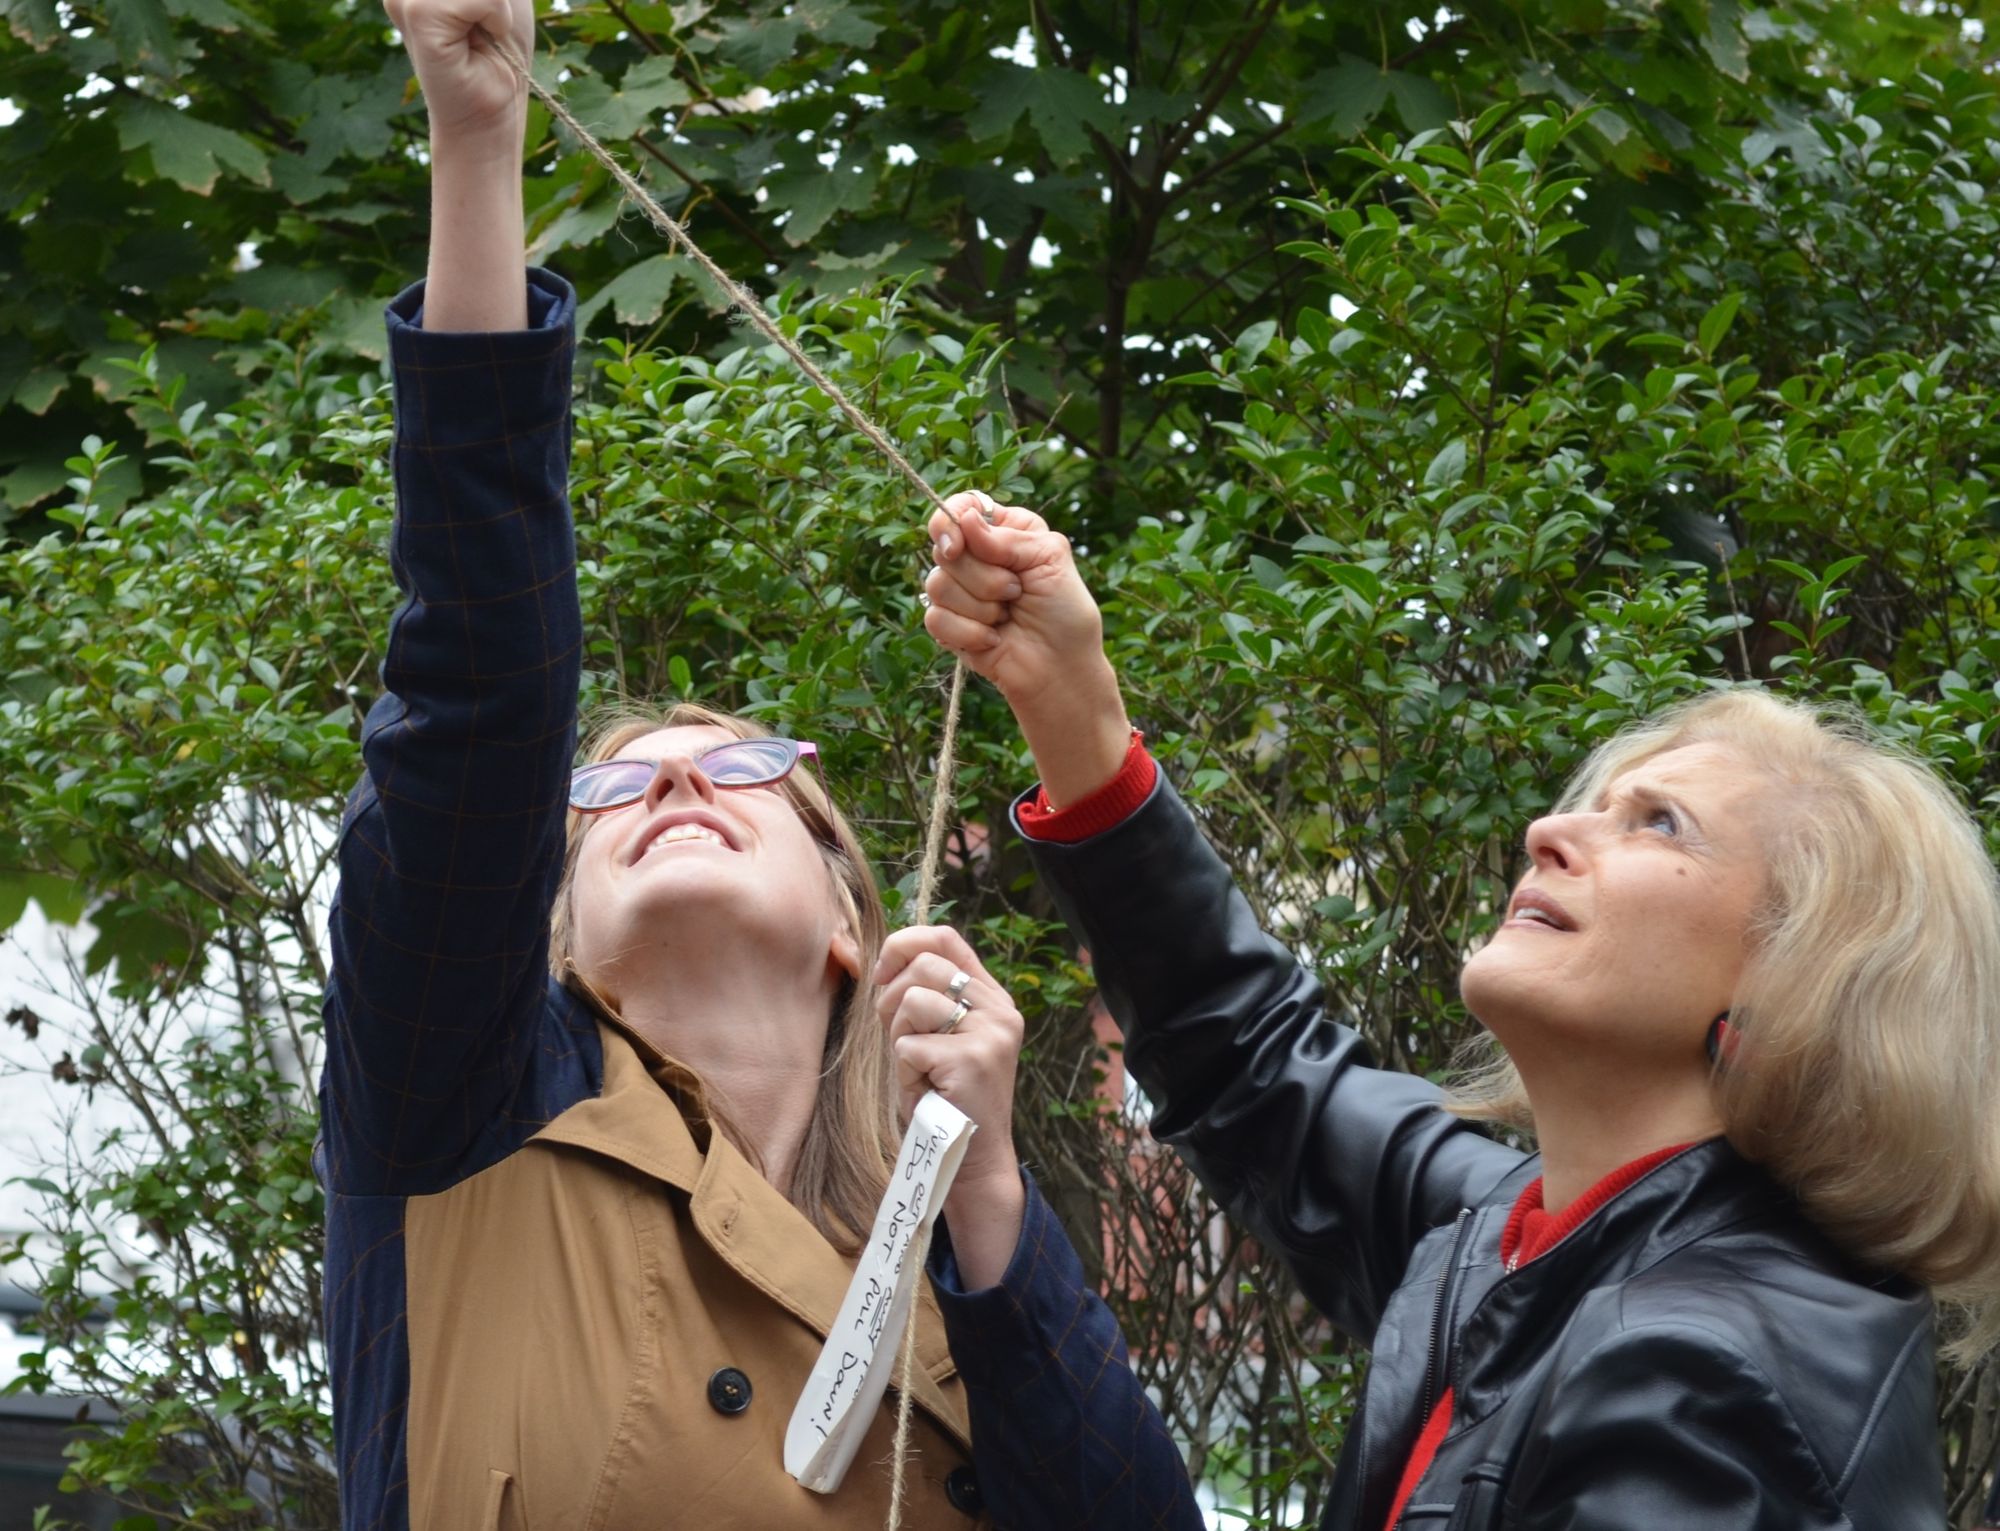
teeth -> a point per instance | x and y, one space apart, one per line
1541 915
677 833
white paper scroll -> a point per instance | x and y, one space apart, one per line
854 1368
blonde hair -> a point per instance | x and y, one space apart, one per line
1867 1075
843 1163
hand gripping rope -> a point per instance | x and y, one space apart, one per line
941 795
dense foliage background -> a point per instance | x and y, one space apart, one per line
1430 391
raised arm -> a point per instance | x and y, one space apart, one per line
452 843
1339 1165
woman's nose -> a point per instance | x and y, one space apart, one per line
679 776
1553 841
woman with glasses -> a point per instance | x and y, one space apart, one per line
609 1100
1745 990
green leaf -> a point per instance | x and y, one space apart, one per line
1253 342
1419 102
356 325
1448 467
1345 97
33 481
815 195
186 150
1062 105
33 21
216 15
638 294
40 388
835 21
61 899
1715 323
758 44
1724 40
1001 99
648 86
143 34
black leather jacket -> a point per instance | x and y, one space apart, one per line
1695 1355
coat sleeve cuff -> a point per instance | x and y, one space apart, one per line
1106 808
1028 1312
483 390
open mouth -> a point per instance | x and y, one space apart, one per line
1532 907
681 834
1537 917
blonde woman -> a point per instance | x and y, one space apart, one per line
609 1100
1746 990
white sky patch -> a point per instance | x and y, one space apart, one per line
902 154
1042 253
9 113
96 85
1341 309
1022 52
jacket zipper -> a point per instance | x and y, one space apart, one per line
1440 1342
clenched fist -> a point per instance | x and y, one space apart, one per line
1006 596
471 93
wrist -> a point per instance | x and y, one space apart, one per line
1079 734
978 1181
490 148
987 1195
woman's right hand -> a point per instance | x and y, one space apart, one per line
1007 598
479 115
472 94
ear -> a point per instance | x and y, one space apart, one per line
843 956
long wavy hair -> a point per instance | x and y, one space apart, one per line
1866 1075
843 1163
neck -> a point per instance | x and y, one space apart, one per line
1586 1127
754 1036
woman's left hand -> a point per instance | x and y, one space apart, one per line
970 1061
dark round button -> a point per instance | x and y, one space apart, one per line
961 1487
729 1391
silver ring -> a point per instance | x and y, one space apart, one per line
956 988
924 599
959 1012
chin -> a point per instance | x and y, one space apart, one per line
1498 987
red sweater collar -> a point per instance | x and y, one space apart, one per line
1531 1232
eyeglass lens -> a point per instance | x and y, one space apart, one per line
743 763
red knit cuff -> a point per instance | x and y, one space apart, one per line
1106 808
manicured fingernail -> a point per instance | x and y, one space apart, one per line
1012 592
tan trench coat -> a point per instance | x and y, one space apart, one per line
569 1306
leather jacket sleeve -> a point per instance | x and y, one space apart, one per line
1338 1165
1667 1424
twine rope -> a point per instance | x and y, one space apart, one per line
930 868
